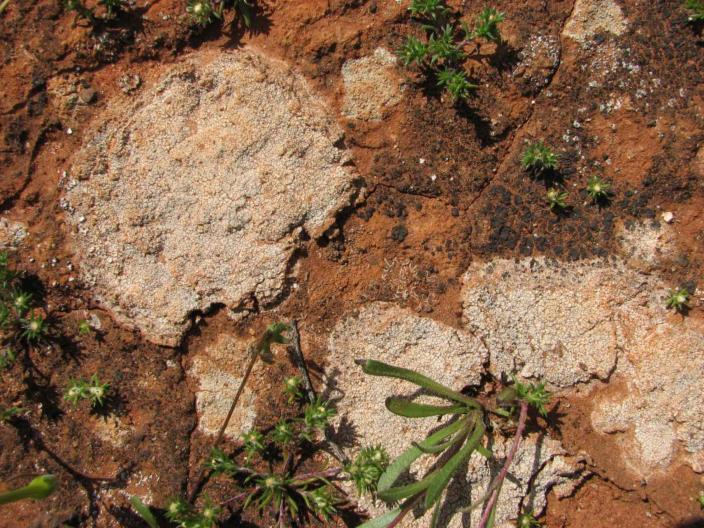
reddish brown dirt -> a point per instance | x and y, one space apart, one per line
409 241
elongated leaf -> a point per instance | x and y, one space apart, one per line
383 521
483 451
409 490
405 459
445 473
439 448
144 511
435 519
409 409
377 368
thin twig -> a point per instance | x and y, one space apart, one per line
253 355
504 470
300 361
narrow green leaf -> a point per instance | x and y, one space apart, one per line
435 519
411 409
439 448
445 472
381 521
377 368
409 490
483 451
405 459
144 511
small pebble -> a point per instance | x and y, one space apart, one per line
668 217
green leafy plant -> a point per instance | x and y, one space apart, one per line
538 158
556 199
282 490
33 327
92 390
203 12
38 488
113 6
443 52
487 26
527 520
678 299
598 189
697 10
434 10
144 512
84 328
9 412
7 359
460 436
701 499
456 83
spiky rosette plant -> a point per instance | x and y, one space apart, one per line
266 473
443 53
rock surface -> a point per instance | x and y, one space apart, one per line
192 195
590 17
371 85
647 245
454 357
570 323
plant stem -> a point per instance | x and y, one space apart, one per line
406 508
300 361
504 470
253 355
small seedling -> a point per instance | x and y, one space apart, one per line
697 10
598 189
701 499
443 53
113 6
367 468
487 26
539 158
556 199
442 48
33 328
9 412
528 520
185 516
7 359
678 299
84 328
80 9
456 83
21 302
92 390
39 488
534 394
413 51
433 10
202 12
292 388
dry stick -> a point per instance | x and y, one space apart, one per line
310 392
254 354
504 470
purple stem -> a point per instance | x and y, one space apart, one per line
504 470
